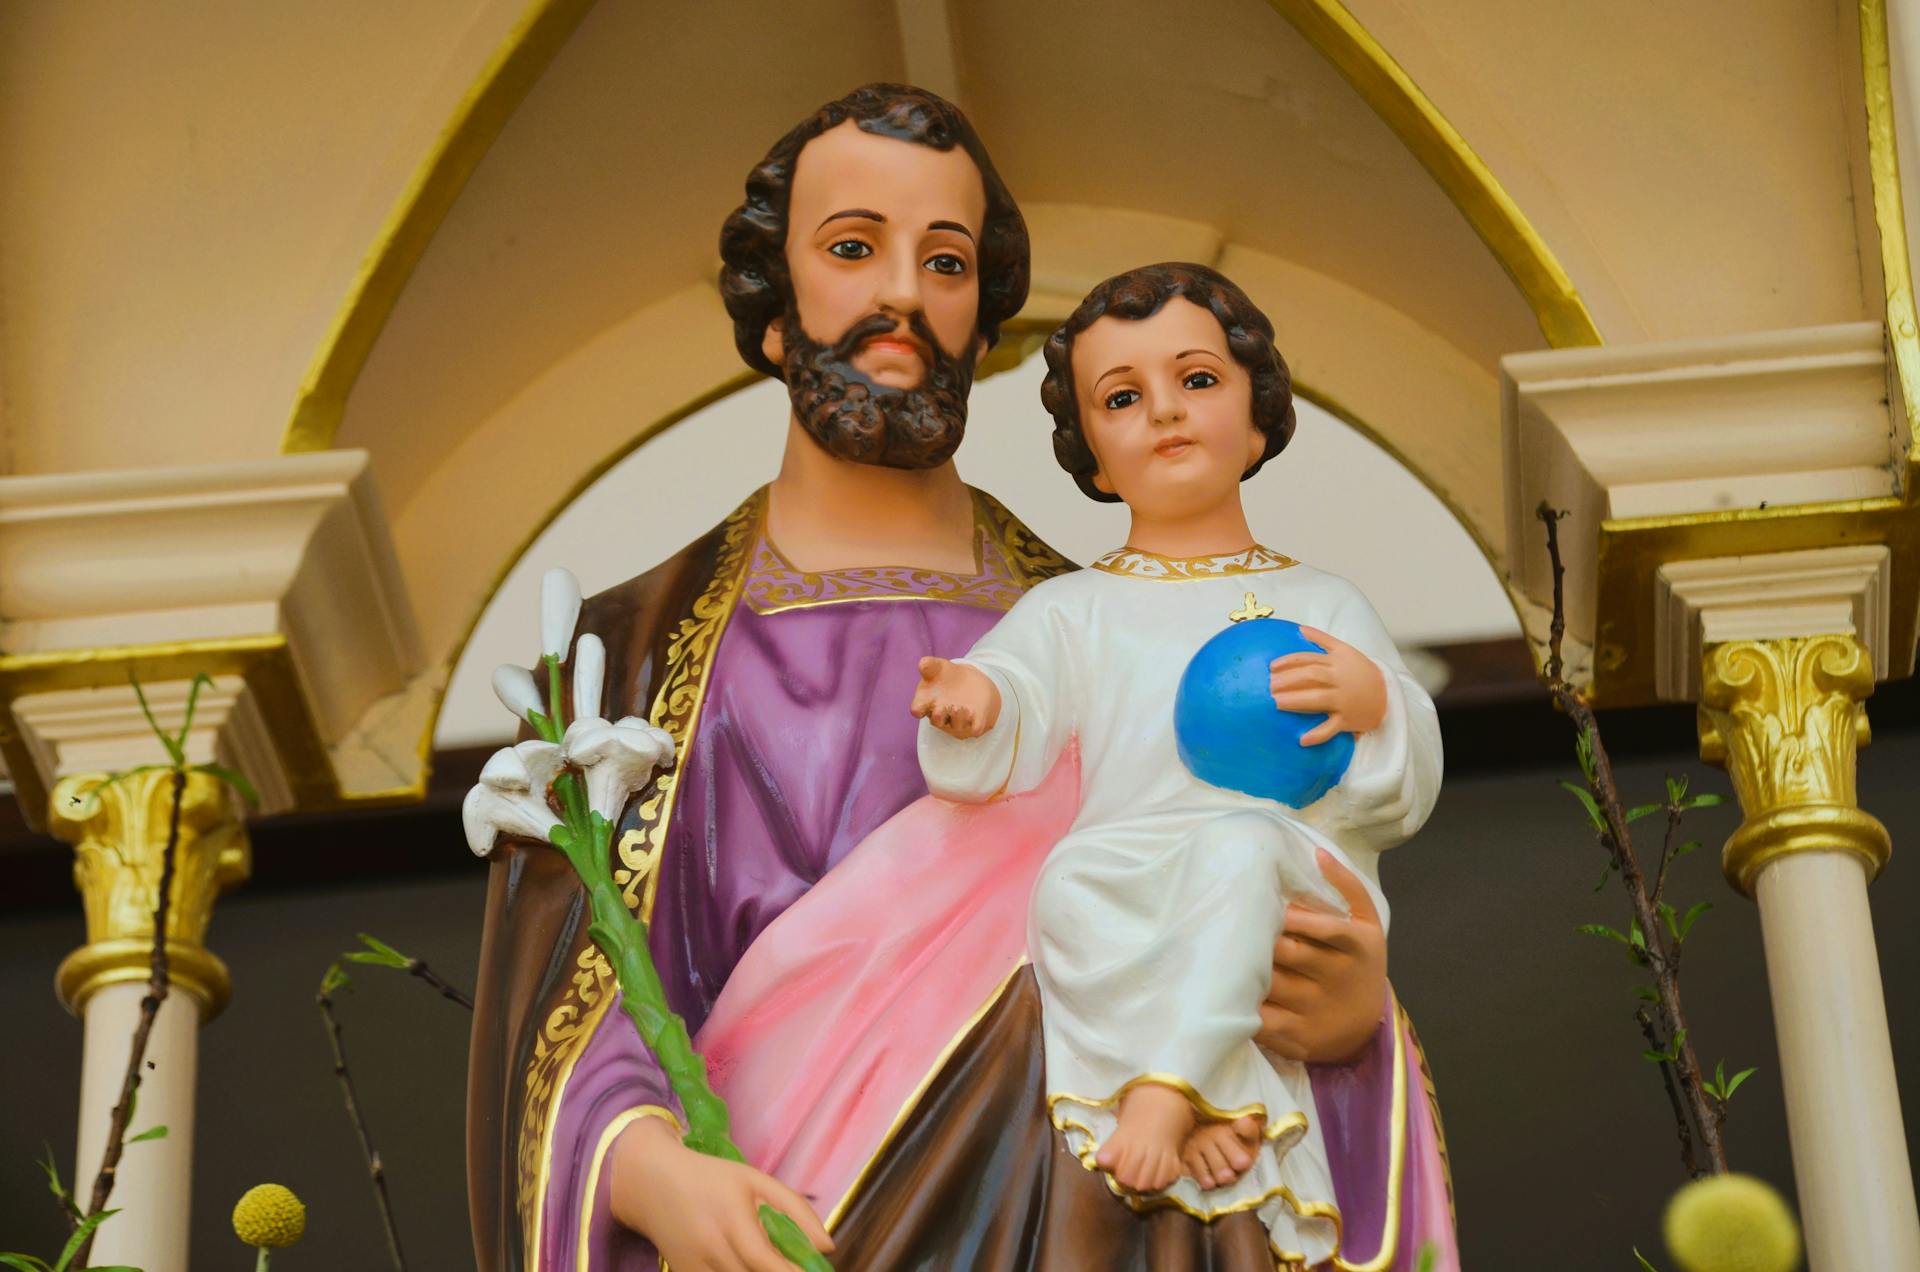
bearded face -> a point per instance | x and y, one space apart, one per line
856 419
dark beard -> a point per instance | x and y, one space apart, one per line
855 419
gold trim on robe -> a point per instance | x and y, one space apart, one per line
676 709
1135 563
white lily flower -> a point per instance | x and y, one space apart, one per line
559 611
514 687
589 675
511 796
617 759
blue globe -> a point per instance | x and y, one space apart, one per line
1230 734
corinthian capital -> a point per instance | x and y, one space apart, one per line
1785 719
119 834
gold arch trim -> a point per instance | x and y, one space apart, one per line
510 73
1889 215
1451 162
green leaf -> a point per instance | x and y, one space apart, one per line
1587 802
232 777
1691 845
1635 813
1666 916
1676 788
1643 1260
1733 1083
151 1133
25 1263
200 681
1583 751
1605 875
178 756
1705 801
1688 919
1673 1048
79 1237
335 979
1646 994
379 953
1658 1057
1601 929
54 1185
1635 937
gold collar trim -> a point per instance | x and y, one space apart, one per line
1008 559
1137 564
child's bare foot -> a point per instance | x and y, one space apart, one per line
1143 1153
1217 1153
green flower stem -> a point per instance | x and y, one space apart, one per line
260 1264
622 937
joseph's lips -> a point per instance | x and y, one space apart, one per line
896 344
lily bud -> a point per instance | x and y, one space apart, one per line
559 611
514 687
589 675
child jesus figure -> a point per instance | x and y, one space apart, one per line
1152 924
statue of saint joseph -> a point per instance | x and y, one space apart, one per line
870 267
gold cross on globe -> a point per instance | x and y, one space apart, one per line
1252 609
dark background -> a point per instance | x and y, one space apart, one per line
1563 1149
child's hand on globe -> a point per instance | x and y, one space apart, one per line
956 699
1343 684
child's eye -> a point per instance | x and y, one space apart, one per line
1121 399
851 250
1200 380
947 263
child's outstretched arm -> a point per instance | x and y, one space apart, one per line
960 701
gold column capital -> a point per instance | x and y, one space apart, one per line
119 837
1784 717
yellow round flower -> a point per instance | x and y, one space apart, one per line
1732 1223
269 1215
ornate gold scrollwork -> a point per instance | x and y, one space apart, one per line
119 837
1784 717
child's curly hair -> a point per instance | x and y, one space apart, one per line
1139 293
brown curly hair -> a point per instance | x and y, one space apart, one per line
1139 293
753 243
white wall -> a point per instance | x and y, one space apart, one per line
1333 499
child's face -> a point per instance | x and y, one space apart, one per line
1166 410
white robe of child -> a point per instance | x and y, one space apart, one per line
1152 924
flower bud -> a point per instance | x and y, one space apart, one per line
559 611
589 675
514 687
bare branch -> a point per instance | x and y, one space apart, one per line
1605 790
375 1170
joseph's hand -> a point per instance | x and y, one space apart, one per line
1329 978
699 1211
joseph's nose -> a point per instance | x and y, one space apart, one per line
898 285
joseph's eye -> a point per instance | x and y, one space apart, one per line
1200 380
947 263
851 250
1121 399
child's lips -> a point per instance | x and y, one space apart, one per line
1170 446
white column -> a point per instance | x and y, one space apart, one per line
1843 1106
1784 716
120 834
153 1191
